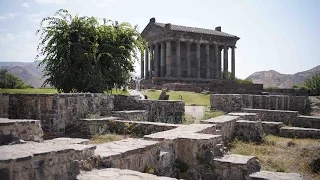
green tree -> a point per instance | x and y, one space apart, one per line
10 81
239 80
83 55
313 84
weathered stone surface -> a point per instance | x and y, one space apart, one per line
234 166
296 132
134 154
12 130
246 116
287 117
168 111
225 126
47 160
272 127
132 115
226 102
118 174
234 102
268 175
4 105
308 122
249 130
87 128
56 111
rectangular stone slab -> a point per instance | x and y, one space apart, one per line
268 175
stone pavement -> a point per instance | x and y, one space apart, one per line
118 174
134 92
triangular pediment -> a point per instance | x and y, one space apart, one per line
151 31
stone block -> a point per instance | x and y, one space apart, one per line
296 132
249 131
246 116
226 102
272 127
235 166
268 175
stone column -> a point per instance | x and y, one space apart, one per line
162 63
207 62
147 64
225 62
142 65
188 60
178 59
168 59
151 61
216 66
156 60
198 60
233 63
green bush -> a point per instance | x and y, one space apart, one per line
313 84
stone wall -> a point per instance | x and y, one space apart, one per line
250 131
56 111
15 130
287 117
87 128
167 111
234 102
4 105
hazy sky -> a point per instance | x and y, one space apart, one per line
283 35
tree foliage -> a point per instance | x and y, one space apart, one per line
83 55
313 84
10 81
238 80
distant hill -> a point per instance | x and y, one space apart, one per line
274 78
26 71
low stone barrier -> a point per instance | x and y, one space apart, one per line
287 117
168 111
56 111
235 102
47 160
15 130
87 128
272 127
225 126
132 115
297 132
308 122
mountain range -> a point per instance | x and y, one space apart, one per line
31 74
275 79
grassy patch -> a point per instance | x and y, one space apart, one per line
282 154
188 119
106 138
29 91
188 97
211 114
48 91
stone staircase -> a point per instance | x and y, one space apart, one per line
286 123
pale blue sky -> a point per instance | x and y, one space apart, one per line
283 35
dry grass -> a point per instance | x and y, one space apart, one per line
282 154
106 138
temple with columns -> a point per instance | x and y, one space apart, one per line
186 54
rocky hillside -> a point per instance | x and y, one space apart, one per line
26 71
273 78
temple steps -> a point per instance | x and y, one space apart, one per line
298 132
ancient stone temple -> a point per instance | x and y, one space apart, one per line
186 53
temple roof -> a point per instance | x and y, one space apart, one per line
196 30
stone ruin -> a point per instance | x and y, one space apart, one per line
160 146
